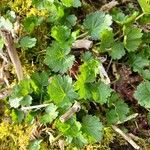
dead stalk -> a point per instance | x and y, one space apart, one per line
127 138
75 108
34 107
9 43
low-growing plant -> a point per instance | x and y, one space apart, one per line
67 77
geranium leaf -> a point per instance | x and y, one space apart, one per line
92 128
97 22
142 94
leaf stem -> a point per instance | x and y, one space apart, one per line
56 138
82 35
138 17
128 118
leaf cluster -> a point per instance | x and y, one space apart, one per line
48 32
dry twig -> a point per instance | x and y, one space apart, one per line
127 138
34 107
75 108
107 7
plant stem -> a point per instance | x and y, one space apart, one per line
56 138
138 17
82 35
129 118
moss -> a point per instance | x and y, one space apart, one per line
108 137
24 7
14 136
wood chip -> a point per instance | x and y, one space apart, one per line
83 43
103 74
107 7
75 108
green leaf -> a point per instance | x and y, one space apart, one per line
6 24
61 91
132 38
145 19
89 70
122 110
44 119
70 3
113 99
101 92
107 40
15 102
26 101
58 57
84 89
11 15
76 3
88 73
145 5
22 89
20 115
138 62
69 128
17 115
34 145
148 117
112 116
44 4
146 74
117 50
92 128
29 119
146 37
142 94
67 3
31 22
50 115
40 80
85 57
118 113
51 109
27 42
57 12
79 141
120 18
97 22
60 33
70 21
130 19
